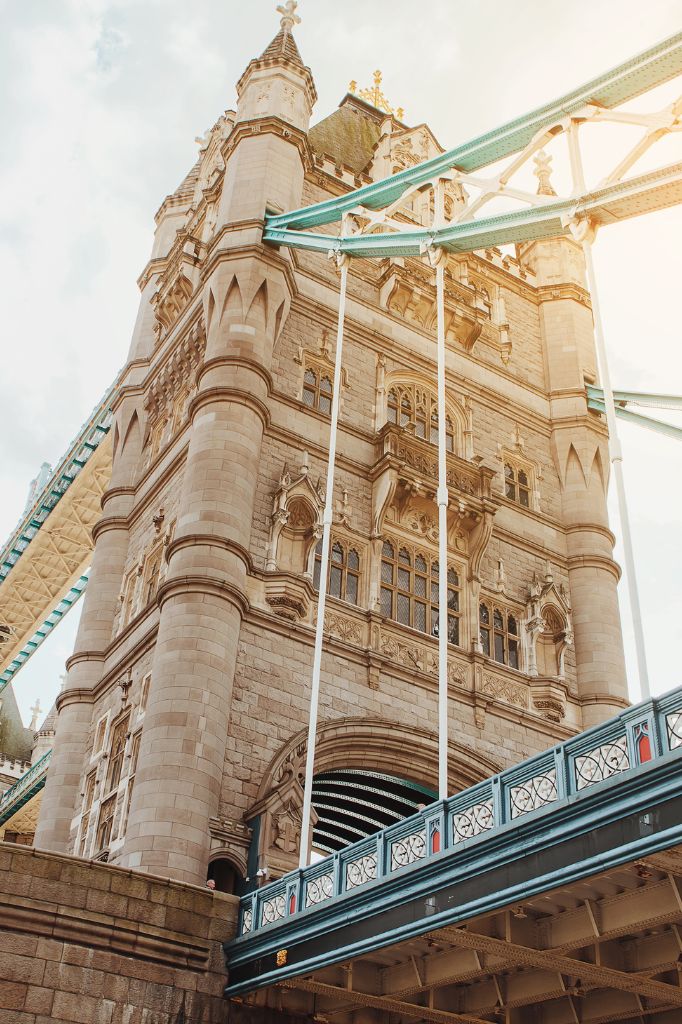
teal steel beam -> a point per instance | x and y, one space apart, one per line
91 434
596 403
40 635
649 399
25 788
654 190
653 67
523 846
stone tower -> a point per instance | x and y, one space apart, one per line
180 738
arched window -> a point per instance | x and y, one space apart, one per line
343 579
407 404
409 590
516 485
152 571
318 389
499 633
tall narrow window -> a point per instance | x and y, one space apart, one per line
343 580
105 823
499 634
409 590
152 571
100 734
134 754
318 389
516 485
116 751
88 797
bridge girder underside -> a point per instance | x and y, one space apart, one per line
56 556
603 949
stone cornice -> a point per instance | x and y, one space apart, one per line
272 125
221 394
244 361
108 523
189 540
592 528
117 492
75 695
264 253
181 586
594 562
568 290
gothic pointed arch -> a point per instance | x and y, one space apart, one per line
410 401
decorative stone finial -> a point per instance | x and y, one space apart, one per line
375 96
35 711
289 16
543 172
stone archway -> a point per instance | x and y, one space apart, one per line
373 746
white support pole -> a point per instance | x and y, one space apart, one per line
342 262
442 499
616 455
583 232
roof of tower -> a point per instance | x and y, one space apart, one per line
350 134
283 46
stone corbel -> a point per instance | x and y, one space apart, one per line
383 491
479 539
534 627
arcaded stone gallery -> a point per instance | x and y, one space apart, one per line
180 737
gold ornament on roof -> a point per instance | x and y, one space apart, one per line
376 97
289 16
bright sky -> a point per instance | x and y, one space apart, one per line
102 100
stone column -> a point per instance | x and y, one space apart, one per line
182 753
580 452
61 797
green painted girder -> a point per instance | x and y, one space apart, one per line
653 67
652 191
595 401
76 457
40 635
25 788
651 399
588 822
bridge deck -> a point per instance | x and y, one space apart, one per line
607 801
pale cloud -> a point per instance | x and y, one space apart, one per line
101 102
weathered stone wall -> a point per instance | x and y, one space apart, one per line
89 943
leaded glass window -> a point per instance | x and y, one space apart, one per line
318 389
343 579
407 403
499 634
516 485
409 590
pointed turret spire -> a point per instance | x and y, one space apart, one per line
284 44
278 84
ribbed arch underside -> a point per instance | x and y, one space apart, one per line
351 804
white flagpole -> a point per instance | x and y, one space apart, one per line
438 258
342 261
583 232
